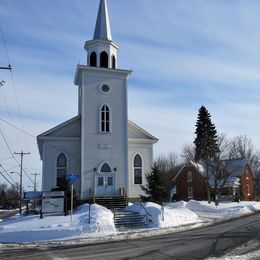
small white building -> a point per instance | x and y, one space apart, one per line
110 153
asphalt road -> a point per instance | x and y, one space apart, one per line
194 244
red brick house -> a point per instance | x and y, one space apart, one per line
190 181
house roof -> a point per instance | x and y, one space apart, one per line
68 130
71 130
234 167
136 133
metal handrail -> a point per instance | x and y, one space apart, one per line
147 213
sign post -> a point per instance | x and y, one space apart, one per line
71 178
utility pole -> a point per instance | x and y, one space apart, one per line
6 68
34 185
2 82
21 179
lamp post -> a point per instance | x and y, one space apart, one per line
20 200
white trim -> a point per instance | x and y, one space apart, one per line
150 136
103 92
100 166
133 168
100 118
55 166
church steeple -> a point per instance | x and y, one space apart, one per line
102 51
102 29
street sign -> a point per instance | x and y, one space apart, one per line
72 177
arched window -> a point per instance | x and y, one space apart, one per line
61 170
93 59
113 62
103 60
137 169
105 168
105 119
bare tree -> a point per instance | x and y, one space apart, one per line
188 153
168 166
243 147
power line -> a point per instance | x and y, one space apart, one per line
21 177
12 77
8 146
3 38
16 127
7 173
14 156
7 179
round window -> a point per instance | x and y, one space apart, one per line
105 88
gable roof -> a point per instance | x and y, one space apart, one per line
71 130
136 133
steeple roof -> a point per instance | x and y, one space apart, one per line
102 29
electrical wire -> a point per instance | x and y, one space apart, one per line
12 125
7 179
16 127
28 176
13 82
7 173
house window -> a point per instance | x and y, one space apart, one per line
61 170
189 176
105 168
105 119
137 169
190 193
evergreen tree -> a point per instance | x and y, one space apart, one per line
154 188
206 146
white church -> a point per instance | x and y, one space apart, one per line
110 153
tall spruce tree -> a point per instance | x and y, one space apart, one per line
154 188
206 145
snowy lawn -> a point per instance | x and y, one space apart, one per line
28 229
31 228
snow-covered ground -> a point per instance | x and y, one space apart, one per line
29 229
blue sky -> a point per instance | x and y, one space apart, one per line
183 54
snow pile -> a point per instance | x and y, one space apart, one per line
31 228
170 215
26 229
226 209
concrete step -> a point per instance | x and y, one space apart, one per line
113 203
128 220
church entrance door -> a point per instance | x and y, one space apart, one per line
105 185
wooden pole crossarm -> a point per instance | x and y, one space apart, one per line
6 68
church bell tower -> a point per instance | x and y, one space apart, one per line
102 98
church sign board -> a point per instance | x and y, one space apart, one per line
52 202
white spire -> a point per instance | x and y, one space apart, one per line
102 29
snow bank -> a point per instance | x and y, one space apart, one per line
168 216
26 229
224 208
